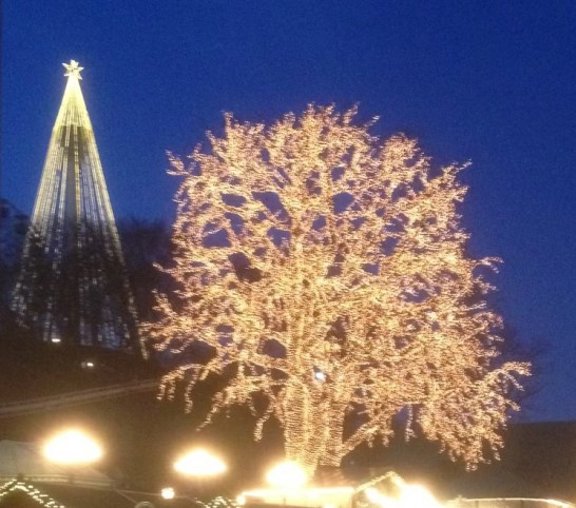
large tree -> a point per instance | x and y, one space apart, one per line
324 270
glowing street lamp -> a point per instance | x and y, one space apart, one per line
287 475
408 496
200 463
417 495
72 447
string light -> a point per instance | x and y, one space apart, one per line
218 502
40 498
326 271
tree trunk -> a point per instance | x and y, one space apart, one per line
306 426
312 429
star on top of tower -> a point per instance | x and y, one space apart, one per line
73 69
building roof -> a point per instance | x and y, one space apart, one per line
19 493
24 460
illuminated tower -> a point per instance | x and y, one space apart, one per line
73 287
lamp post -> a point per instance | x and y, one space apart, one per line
200 465
70 448
287 477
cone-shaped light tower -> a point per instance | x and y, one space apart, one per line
73 287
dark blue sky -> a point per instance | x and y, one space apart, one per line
494 82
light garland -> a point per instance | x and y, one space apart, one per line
42 499
326 270
219 502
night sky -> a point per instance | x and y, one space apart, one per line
492 82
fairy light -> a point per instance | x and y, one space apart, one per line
34 493
326 269
219 502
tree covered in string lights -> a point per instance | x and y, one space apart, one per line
325 271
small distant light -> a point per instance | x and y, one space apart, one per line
88 364
167 493
55 340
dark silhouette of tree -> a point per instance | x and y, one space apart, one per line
145 243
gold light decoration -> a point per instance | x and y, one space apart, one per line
325 270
